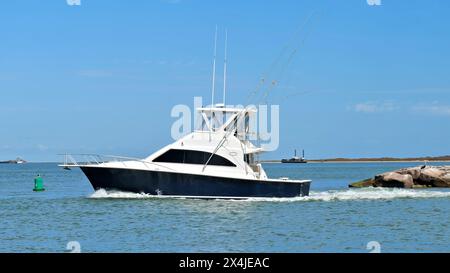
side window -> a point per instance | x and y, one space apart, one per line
171 156
193 157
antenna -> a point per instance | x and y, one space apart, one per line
214 69
213 83
225 68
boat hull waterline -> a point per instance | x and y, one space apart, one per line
185 185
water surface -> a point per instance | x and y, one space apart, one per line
332 219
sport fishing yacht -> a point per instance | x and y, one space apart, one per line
217 160
207 163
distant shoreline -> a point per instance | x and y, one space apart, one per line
348 160
373 160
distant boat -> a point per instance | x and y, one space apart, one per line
16 161
295 159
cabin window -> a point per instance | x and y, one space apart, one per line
193 157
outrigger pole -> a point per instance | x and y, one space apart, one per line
225 68
213 81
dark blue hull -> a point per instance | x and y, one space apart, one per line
189 185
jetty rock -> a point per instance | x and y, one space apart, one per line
414 177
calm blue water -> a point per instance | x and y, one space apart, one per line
333 219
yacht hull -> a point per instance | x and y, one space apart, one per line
189 185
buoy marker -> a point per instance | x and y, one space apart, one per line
38 183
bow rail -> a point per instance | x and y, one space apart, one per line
81 160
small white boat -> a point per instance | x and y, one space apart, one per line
20 161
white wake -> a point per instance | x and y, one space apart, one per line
362 194
325 196
99 194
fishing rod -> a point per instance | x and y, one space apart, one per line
267 75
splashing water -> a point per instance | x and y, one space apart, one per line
325 196
374 194
99 194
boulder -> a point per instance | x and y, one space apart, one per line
431 176
394 180
415 177
446 179
414 172
363 183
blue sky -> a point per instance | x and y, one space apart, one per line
103 77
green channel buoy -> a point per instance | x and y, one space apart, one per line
38 183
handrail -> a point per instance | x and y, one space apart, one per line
96 159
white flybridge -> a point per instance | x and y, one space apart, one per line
218 160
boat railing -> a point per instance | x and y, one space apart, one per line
79 160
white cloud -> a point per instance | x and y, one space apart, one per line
375 107
435 109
